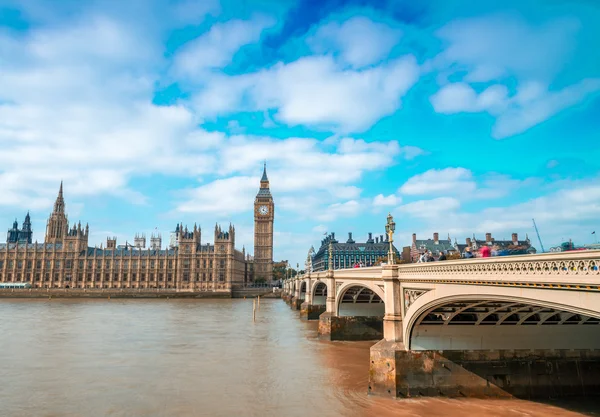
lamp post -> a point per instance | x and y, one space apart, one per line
330 256
390 228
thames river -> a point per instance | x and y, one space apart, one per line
198 358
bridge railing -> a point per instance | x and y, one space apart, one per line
583 266
580 266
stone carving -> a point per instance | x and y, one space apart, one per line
410 296
337 286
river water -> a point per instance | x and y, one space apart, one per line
198 358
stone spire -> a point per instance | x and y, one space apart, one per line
264 175
59 204
58 226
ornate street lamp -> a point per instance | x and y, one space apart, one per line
390 228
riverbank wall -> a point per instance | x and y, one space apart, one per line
110 293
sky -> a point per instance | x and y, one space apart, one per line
457 117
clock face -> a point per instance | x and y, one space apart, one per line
263 210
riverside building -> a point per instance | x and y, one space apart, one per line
64 259
347 254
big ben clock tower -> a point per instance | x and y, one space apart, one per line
263 230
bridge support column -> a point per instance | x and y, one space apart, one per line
383 364
296 302
330 310
308 311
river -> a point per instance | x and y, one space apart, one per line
198 358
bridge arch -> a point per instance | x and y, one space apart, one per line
303 285
360 299
453 317
319 293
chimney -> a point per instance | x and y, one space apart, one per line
376 239
381 238
515 238
414 237
469 242
332 235
488 237
349 235
436 237
370 240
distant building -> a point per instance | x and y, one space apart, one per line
155 241
347 254
174 238
504 247
139 241
23 235
435 246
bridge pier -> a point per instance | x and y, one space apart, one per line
332 326
314 304
311 312
351 328
504 373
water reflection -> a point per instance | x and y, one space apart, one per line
194 358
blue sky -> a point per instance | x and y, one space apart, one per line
457 117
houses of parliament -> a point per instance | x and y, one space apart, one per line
64 259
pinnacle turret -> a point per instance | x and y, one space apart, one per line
59 204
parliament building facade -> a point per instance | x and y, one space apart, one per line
65 260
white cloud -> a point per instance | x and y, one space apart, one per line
532 104
427 209
357 42
222 197
503 44
461 97
528 109
568 212
321 228
384 201
308 175
334 211
440 181
216 48
313 91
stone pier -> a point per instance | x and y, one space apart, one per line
295 303
332 327
311 312
396 372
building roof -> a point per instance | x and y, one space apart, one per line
131 251
433 246
264 192
30 246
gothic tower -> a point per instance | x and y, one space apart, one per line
264 212
58 225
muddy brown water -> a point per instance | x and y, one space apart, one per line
200 358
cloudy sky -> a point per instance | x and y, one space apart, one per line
457 117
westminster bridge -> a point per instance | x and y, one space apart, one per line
527 325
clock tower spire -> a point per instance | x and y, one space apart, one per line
264 214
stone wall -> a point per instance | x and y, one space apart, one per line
116 293
520 373
350 328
